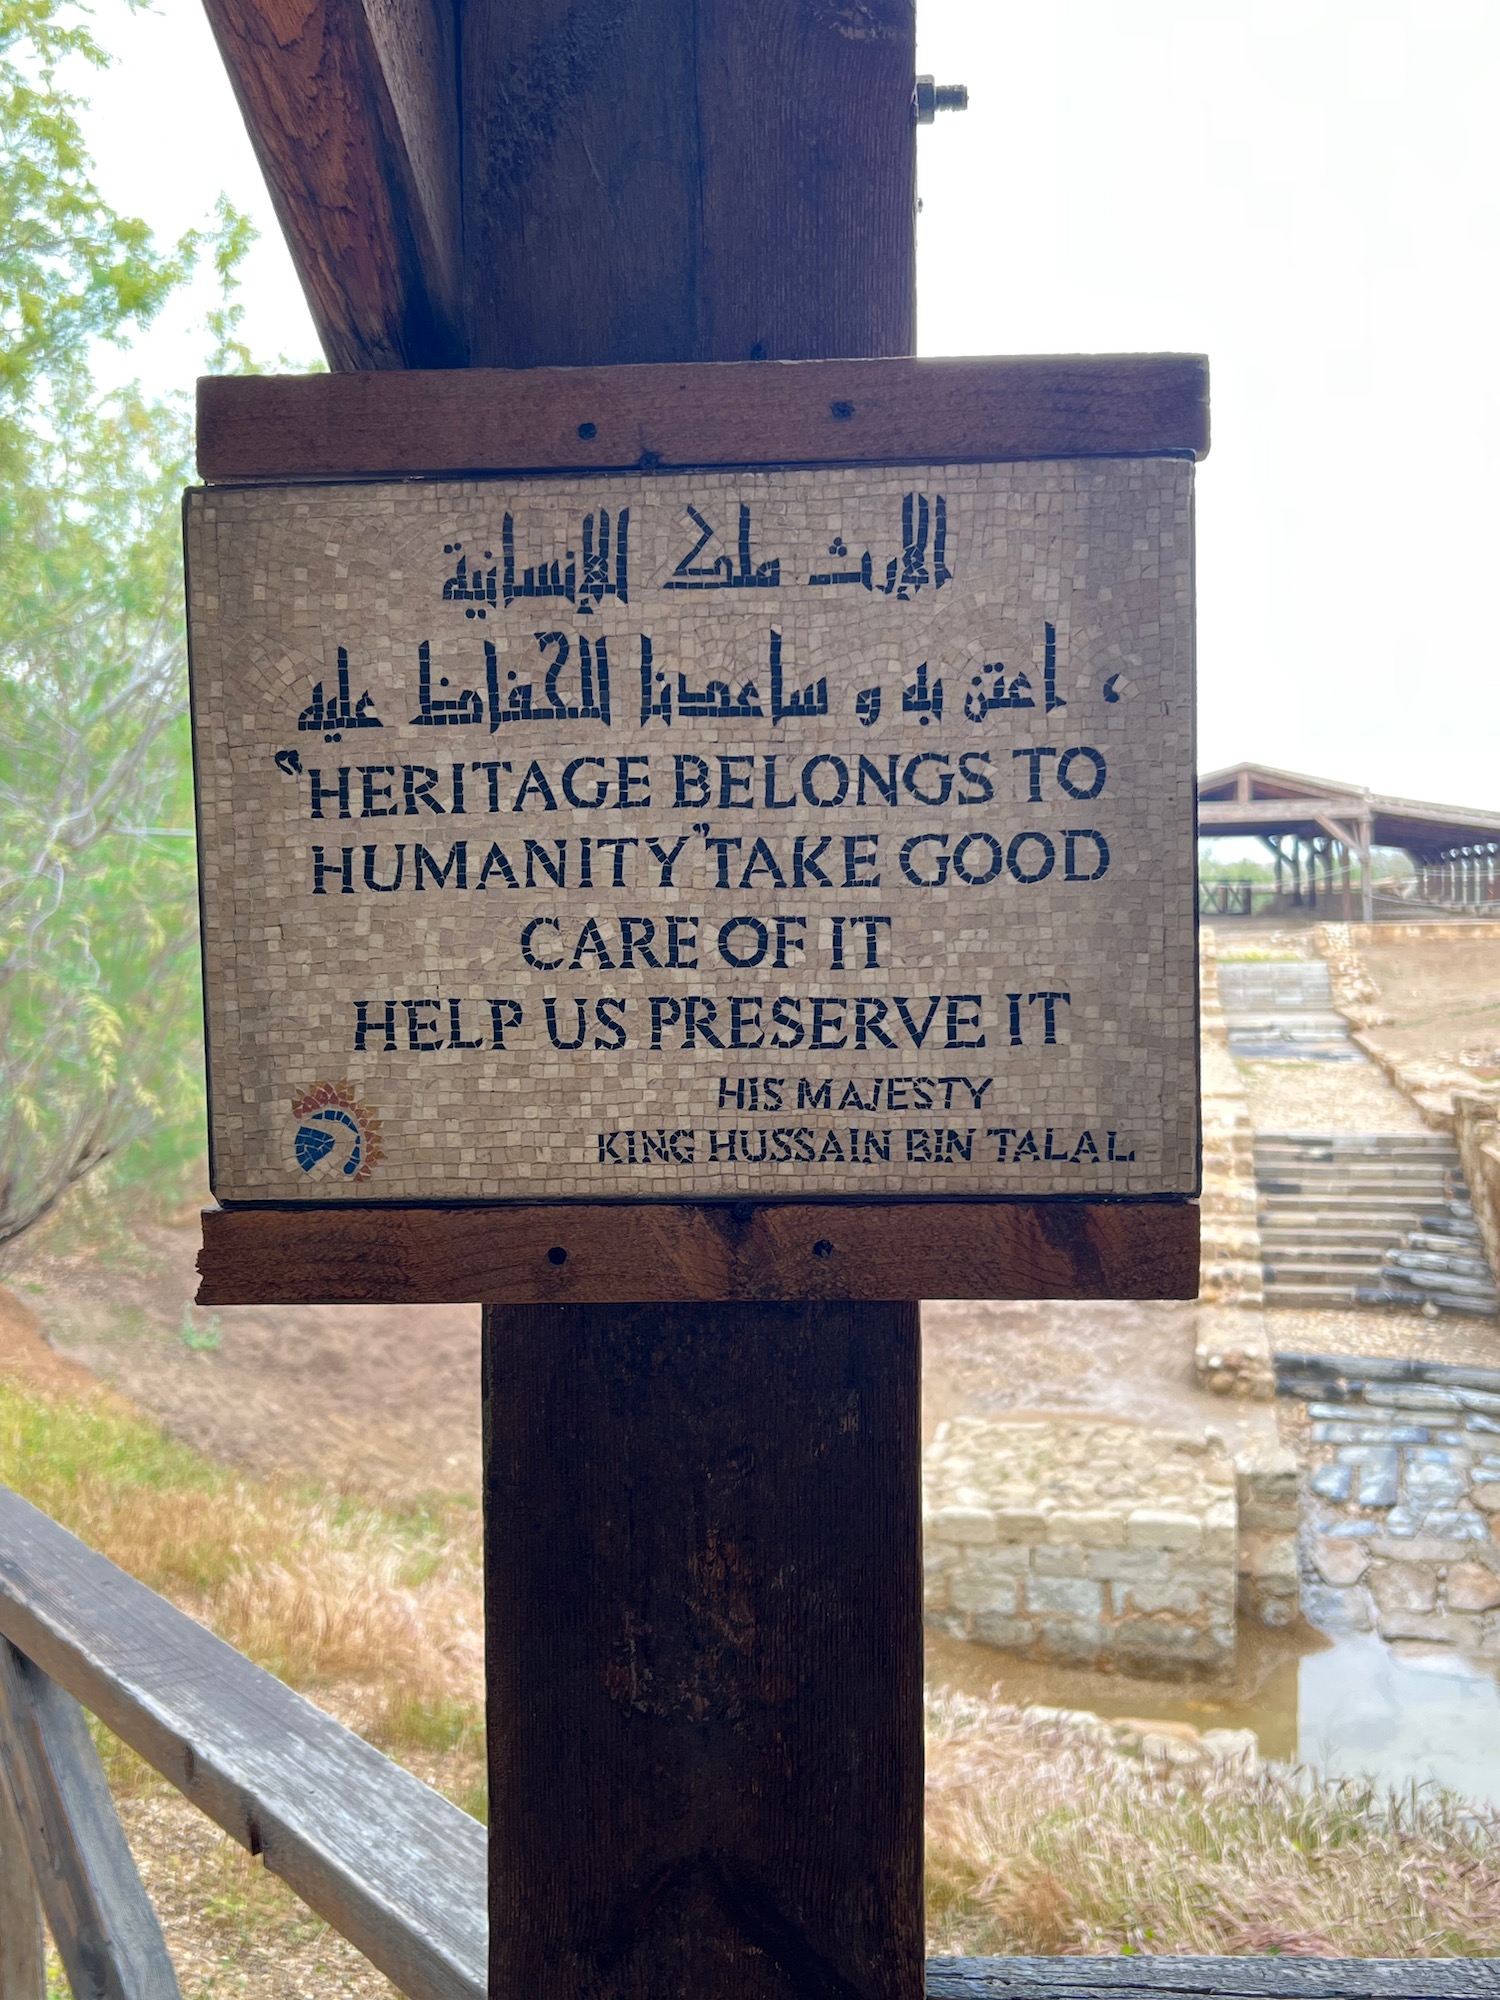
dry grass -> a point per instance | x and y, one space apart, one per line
376 1611
1042 1840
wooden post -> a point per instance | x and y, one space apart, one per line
106 1931
1366 877
23 1967
704 1630
703 1567
688 180
703 1599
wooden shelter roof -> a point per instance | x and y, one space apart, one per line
1250 799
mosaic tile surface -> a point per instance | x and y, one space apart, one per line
782 833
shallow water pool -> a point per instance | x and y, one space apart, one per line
1349 1708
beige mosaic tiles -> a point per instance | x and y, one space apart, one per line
778 833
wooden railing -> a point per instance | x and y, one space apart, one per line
1393 896
387 1861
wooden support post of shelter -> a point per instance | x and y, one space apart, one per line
701 1420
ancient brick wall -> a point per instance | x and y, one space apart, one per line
1096 1544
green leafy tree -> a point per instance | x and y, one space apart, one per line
99 1018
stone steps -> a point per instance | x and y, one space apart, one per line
1467 1245
1306 1295
1395 1183
1317 1253
1355 1147
1331 1271
1360 1145
1461 1268
1283 1046
1414 1167
1303 1027
1292 1238
1369 1211
1285 1160
1283 1013
1363 1155
1323 1166
1302 1294
1325 1159
1323 1377
1390 1293
1274 984
1277 1184
1372 1219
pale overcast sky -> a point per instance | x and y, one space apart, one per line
1305 190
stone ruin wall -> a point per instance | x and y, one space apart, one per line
1102 1545
1089 1544
1430 1084
1401 1530
1476 1132
1266 1538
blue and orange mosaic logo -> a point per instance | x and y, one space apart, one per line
336 1137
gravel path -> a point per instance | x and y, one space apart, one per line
1325 1097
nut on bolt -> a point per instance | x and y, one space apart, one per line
930 98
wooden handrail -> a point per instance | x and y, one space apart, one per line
1213 1978
387 1861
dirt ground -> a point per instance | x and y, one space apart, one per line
258 1941
1126 1360
379 1400
1443 999
1326 1097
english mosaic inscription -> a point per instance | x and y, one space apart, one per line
778 833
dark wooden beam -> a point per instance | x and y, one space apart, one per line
695 180
705 1651
596 1253
270 427
352 108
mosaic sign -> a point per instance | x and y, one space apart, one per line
774 833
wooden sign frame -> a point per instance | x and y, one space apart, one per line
354 427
